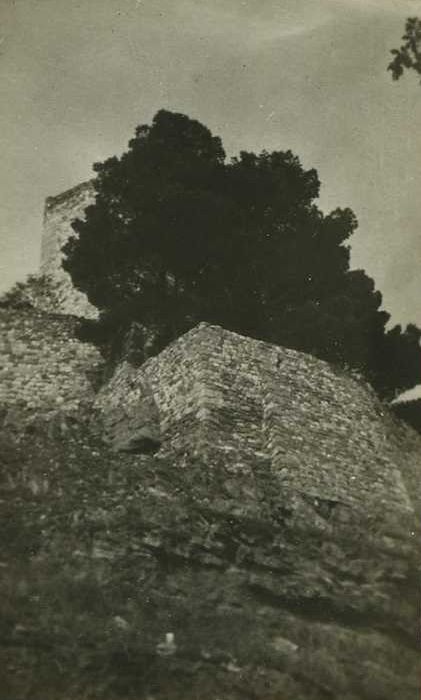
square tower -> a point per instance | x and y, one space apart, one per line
59 213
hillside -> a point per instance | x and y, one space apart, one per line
217 565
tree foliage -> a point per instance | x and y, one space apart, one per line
179 235
410 412
408 56
36 290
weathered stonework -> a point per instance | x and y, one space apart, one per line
334 452
324 433
43 367
319 483
59 213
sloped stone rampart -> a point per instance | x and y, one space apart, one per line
300 456
43 367
292 447
324 433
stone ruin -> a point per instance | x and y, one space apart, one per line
343 469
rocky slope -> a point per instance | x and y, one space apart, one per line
138 576
230 520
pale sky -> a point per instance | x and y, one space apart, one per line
77 76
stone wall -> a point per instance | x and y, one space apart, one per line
302 455
43 367
59 213
324 434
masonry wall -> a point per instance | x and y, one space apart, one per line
322 433
43 367
59 213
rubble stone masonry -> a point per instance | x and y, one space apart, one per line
283 437
43 367
323 433
59 213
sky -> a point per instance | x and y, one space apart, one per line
77 77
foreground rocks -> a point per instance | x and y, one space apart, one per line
147 576
230 520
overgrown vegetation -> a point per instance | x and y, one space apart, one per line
98 565
410 412
36 290
408 56
179 235
81 599
103 555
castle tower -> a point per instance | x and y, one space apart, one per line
59 213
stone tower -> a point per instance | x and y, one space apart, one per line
59 213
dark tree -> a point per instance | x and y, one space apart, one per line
33 291
177 235
398 362
408 56
410 412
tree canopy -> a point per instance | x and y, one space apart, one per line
178 234
408 56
